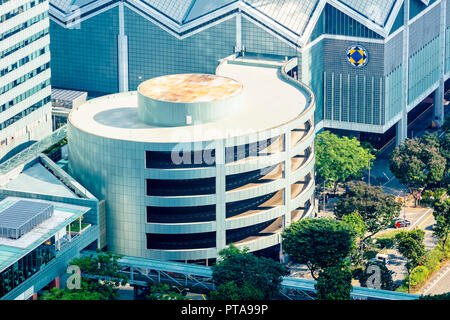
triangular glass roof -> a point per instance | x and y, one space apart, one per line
292 14
377 11
70 5
202 7
174 9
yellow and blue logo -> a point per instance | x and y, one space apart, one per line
357 56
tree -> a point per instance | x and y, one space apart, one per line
231 291
377 209
85 293
446 125
340 159
241 275
104 267
441 229
445 296
161 291
417 163
356 222
319 243
411 247
386 282
334 283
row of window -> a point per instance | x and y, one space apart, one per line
24 60
23 26
24 78
24 43
19 10
25 112
24 95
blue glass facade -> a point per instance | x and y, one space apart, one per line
364 99
85 57
153 52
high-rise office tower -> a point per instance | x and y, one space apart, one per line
25 92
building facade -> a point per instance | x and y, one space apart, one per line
191 163
25 93
368 62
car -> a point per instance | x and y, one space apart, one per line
402 223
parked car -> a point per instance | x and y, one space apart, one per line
402 223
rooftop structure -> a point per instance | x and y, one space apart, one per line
11 250
22 216
190 88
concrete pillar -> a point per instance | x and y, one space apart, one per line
439 114
122 52
55 283
238 32
287 181
402 125
221 196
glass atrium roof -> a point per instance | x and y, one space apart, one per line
377 11
292 14
70 5
174 9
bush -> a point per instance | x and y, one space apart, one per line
386 240
370 254
429 197
433 260
418 276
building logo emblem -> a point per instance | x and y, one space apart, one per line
357 56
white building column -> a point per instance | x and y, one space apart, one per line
122 52
402 124
238 47
287 181
221 215
439 93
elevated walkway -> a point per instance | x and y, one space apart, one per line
141 271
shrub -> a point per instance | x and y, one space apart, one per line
386 240
429 197
418 276
433 260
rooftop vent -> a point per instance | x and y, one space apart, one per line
22 217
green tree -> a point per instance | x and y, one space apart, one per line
445 296
161 291
100 274
411 247
231 291
446 125
377 209
386 281
441 229
334 283
85 293
356 222
418 163
340 159
319 243
259 277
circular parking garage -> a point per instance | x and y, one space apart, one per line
190 163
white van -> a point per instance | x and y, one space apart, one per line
382 258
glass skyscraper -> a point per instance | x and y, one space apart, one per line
25 92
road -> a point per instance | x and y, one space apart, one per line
440 283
